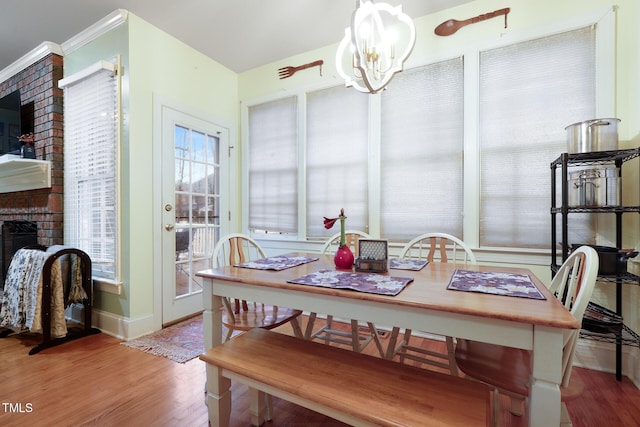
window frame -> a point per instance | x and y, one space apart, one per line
605 107
73 235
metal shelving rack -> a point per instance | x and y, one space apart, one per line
624 336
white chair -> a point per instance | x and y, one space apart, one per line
508 369
242 315
354 339
434 247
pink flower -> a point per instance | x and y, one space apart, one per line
328 222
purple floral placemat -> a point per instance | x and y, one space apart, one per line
279 262
362 282
508 284
407 264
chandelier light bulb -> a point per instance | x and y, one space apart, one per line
373 42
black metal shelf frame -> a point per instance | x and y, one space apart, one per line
625 336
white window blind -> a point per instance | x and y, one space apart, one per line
273 166
90 169
529 92
336 163
422 151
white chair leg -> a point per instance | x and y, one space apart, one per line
407 337
328 326
297 329
451 353
565 419
309 330
228 336
355 336
393 339
376 338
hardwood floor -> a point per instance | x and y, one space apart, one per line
95 381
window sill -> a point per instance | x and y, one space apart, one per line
107 286
18 174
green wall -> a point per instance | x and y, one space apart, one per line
154 64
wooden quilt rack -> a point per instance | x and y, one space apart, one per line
72 333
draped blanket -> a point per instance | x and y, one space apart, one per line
22 298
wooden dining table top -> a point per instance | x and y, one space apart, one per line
428 291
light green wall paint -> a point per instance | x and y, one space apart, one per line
154 64
108 47
162 66
526 16
157 64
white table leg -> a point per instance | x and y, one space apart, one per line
218 397
544 399
212 316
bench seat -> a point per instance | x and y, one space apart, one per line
351 387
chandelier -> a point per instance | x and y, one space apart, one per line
376 45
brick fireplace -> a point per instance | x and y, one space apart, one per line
38 84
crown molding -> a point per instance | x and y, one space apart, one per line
44 49
103 26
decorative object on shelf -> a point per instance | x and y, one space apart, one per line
373 256
612 261
592 135
28 150
375 46
450 26
288 71
595 187
343 258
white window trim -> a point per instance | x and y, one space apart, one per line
605 107
113 285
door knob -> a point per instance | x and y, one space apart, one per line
168 227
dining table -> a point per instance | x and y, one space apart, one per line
426 303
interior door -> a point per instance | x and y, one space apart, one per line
192 170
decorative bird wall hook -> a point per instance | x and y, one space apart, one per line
289 71
450 26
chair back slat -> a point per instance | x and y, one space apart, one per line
352 237
573 285
447 247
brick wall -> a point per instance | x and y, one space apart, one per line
38 83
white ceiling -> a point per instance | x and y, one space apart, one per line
239 34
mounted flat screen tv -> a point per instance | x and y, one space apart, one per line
15 120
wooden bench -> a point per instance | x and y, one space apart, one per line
354 388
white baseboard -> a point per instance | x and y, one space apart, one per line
120 327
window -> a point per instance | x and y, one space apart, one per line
90 165
273 166
529 92
336 161
422 151
461 146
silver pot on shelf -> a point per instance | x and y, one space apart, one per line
592 135
594 188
